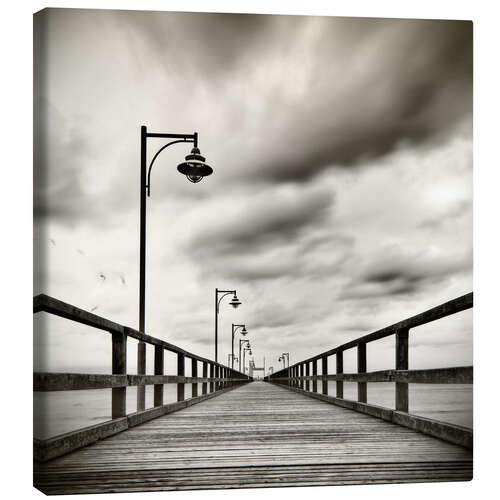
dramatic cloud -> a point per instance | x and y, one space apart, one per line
341 199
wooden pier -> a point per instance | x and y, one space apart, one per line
258 435
286 431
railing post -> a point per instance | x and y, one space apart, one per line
205 374
307 375
315 373
180 373
158 388
119 367
289 376
141 370
301 375
194 373
362 393
212 375
324 371
339 358
402 364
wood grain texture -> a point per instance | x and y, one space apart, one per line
257 435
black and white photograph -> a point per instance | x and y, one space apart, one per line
252 250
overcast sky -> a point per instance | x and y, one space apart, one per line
341 199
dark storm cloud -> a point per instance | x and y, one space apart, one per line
208 44
414 89
371 84
393 273
273 314
57 187
271 219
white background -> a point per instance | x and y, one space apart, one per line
16 122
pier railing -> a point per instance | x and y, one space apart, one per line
303 376
215 379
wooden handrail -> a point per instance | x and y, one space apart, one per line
221 379
448 308
297 377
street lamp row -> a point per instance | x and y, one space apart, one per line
194 168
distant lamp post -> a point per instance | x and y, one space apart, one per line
234 329
195 169
245 342
286 355
234 302
245 349
282 358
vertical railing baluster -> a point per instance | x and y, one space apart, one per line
118 367
324 372
141 370
315 374
205 374
194 373
158 388
402 402
180 373
339 359
307 375
212 375
301 376
362 392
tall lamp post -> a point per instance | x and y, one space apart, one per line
234 302
194 168
245 342
234 329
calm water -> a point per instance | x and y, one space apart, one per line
64 411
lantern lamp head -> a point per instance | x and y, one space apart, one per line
235 301
195 168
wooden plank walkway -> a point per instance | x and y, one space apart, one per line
258 435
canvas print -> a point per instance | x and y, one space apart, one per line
252 251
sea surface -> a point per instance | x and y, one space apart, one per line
64 411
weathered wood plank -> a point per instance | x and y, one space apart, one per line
402 401
60 445
141 370
44 303
339 360
180 373
158 368
194 373
205 374
119 367
362 392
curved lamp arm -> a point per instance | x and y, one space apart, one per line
226 292
148 183
236 329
